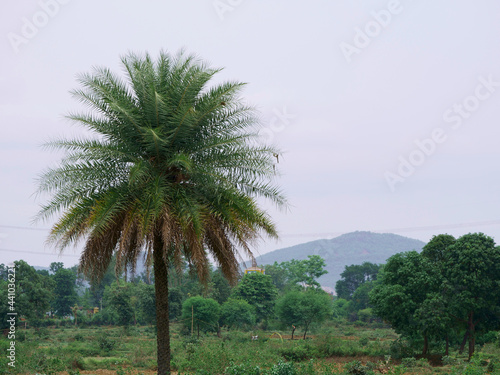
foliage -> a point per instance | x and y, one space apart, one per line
357 368
202 312
306 271
406 280
472 273
118 295
64 292
304 307
174 167
353 277
236 313
34 292
259 291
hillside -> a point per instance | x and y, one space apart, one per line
347 249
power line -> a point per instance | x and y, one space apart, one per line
23 228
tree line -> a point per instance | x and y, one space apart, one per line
289 291
447 295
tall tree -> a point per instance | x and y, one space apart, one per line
306 271
405 283
175 169
64 291
472 280
34 292
259 291
353 276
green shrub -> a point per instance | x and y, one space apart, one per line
105 343
363 341
242 369
283 368
400 349
357 368
409 362
79 337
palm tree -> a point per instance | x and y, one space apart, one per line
173 174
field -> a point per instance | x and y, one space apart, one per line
331 349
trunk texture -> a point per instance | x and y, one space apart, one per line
426 345
305 332
472 334
462 346
162 319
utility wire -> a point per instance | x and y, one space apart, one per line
326 234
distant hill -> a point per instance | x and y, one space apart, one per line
347 249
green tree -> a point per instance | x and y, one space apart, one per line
34 292
64 291
436 248
175 169
353 276
202 313
303 308
404 285
55 266
237 313
279 275
146 297
361 297
118 297
472 279
259 291
221 290
306 271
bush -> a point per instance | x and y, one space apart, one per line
283 368
488 337
105 343
243 369
363 341
400 349
357 368
409 362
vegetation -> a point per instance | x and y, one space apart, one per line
174 168
300 329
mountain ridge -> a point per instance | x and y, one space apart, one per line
350 248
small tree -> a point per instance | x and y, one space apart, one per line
303 308
237 313
202 313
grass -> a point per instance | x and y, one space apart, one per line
332 349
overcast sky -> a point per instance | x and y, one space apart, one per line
387 112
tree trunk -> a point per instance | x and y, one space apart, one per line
462 346
447 352
472 334
305 331
293 330
162 319
426 345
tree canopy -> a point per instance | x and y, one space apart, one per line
173 171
